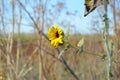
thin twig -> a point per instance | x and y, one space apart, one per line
67 66
39 31
18 42
36 26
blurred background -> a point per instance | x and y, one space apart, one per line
26 52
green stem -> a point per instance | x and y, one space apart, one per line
109 53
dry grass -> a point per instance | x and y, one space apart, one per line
87 65
31 56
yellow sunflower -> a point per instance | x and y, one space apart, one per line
55 35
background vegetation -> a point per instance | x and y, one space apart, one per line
29 55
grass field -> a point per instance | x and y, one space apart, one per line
88 65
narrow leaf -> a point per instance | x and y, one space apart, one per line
80 43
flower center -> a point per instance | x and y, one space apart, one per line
57 35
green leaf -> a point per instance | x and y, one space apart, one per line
104 57
80 50
80 43
110 73
61 53
111 45
65 49
67 33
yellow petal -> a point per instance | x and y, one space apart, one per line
55 40
57 26
60 31
60 41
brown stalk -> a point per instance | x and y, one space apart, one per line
41 33
18 41
2 16
10 44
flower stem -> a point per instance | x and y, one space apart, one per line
67 66
106 34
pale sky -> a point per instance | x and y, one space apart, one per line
81 24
